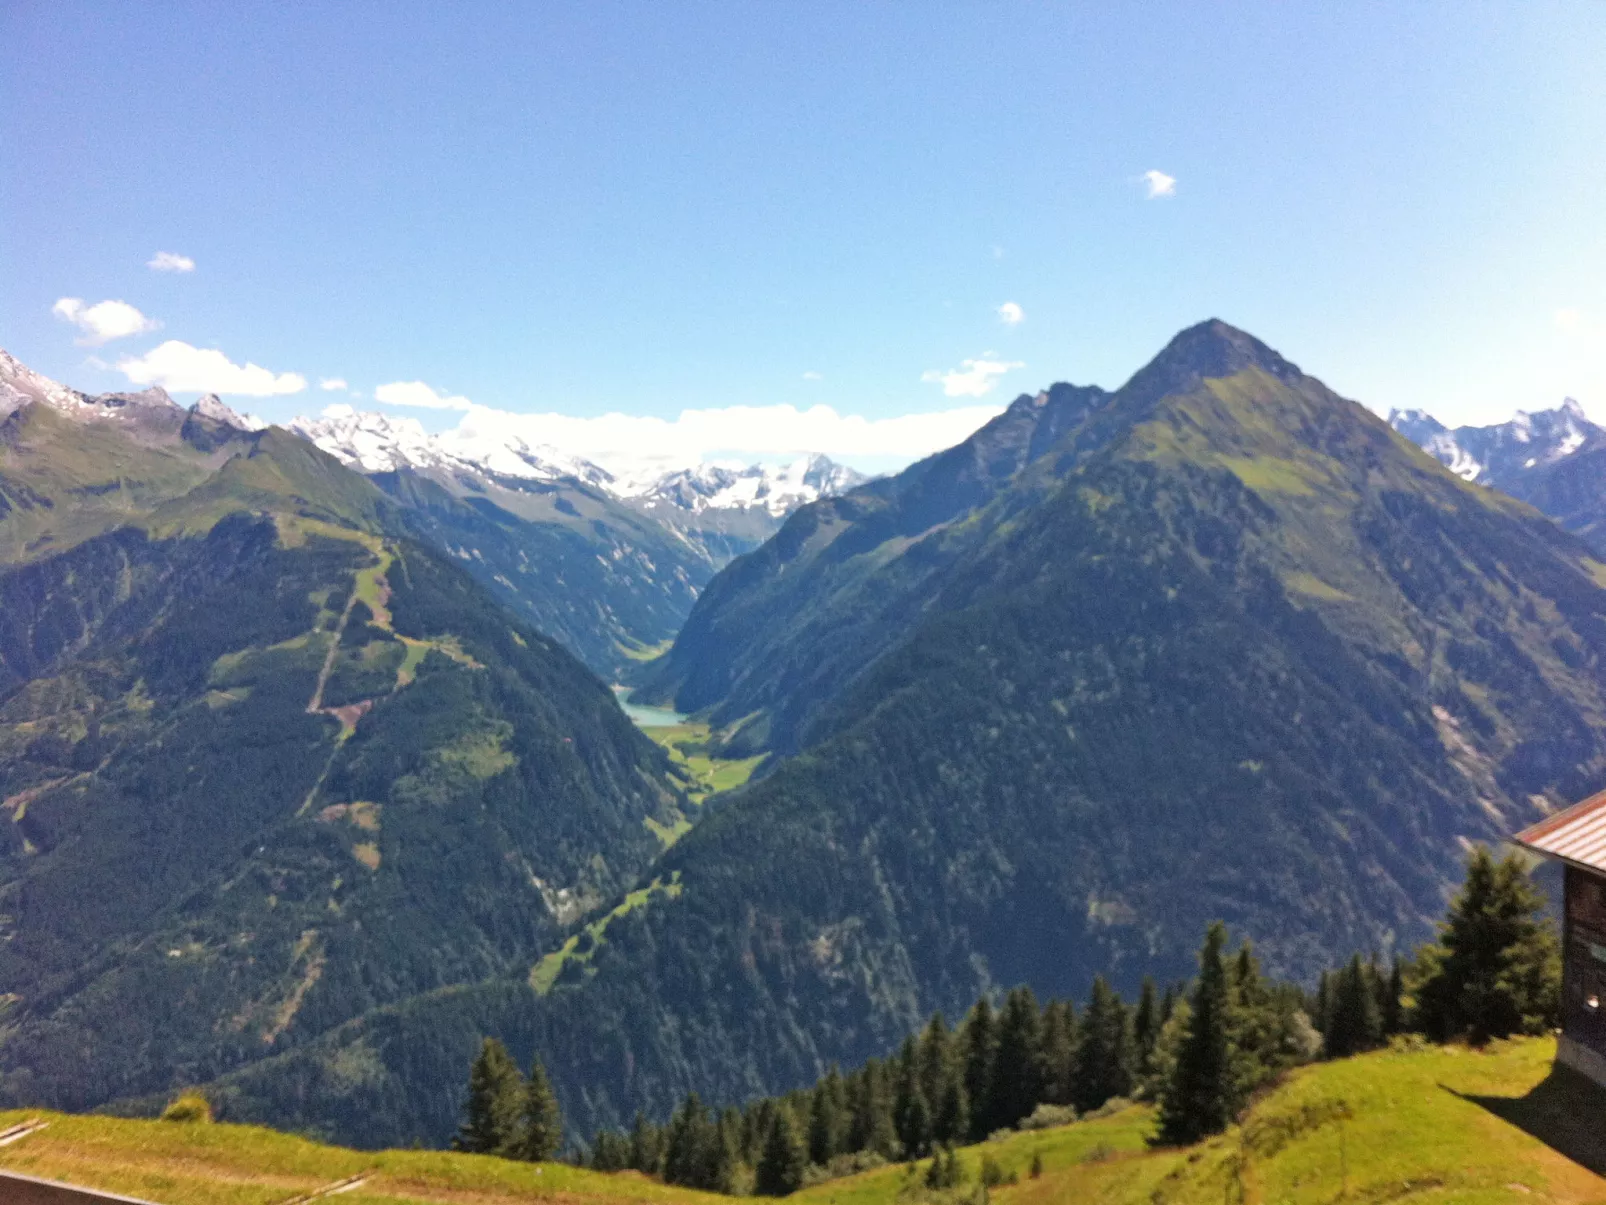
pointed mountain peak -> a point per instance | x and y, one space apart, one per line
1211 349
212 407
1572 409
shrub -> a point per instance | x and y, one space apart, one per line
189 1107
1048 1117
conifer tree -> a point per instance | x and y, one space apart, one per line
1198 1099
1146 1022
1103 1066
495 1100
980 1045
911 1110
541 1134
691 1152
1354 1024
952 1124
1017 1079
1393 1005
1059 1049
610 1151
936 1059
825 1118
646 1146
1496 968
872 1127
780 1168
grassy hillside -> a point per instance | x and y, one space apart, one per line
1433 1124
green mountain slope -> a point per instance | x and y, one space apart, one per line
267 763
585 569
1228 647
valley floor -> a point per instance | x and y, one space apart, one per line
1436 1124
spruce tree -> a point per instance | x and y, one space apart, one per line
936 1059
780 1169
541 1135
1017 1079
1059 1049
825 1118
691 1147
1354 1024
1146 1022
872 1128
980 1045
911 1109
1496 968
646 1146
1103 1067
495 1100
1393 1006
952 1123
1198 1099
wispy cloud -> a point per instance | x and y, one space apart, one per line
332 384
176 365
103 321
973 378
416 393
170 261
1011 314
1159 184
811 375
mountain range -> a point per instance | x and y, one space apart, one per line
608 564
1552 459
1217 643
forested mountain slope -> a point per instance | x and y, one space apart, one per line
266 762
1227 647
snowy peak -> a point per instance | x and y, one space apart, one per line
20 385
777 489
379 443
211 407
1496 454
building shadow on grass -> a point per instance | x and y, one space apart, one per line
1565 1111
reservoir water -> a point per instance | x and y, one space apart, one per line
647 717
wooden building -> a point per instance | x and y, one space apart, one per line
1577 839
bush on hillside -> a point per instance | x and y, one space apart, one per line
188 1107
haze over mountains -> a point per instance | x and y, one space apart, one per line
1218 643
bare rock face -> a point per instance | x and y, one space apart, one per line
212 407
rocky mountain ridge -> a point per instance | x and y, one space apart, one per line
1552 459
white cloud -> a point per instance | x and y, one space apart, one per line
178 366
813 376
974 378
1159 184
333 383
103 321
170 261
625 441
416 393
1011 314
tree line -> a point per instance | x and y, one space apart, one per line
1198 1051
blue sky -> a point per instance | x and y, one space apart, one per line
647 208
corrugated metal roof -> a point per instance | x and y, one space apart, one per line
1577 835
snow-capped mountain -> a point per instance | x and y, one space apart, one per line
1554 460
381 443
20 385
1497 454
778 489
